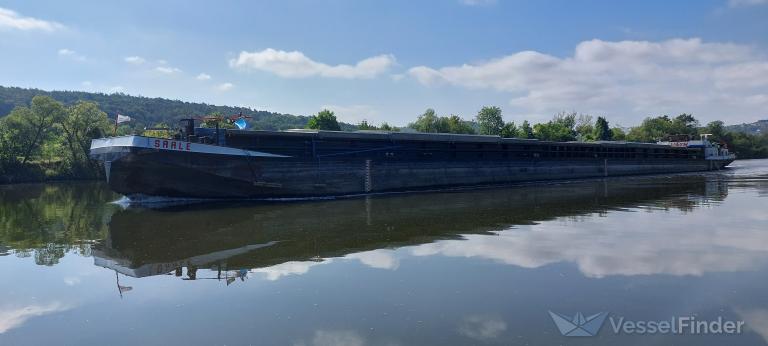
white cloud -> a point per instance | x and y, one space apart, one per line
72 280
380 259
203 76
741 3
297 65
287 268
632 78
167 69
335 338
225 86
478 2
65 52
482 327
11 20
14 317
747 75
136 60
622 250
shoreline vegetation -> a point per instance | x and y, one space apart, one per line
46 136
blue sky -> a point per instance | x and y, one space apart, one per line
390 60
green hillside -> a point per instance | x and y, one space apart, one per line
151 111
760 126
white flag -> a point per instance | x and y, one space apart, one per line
122 118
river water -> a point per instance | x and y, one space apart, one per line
452 268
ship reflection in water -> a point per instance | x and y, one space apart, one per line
462 267
480 223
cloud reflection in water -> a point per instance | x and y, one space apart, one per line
639 242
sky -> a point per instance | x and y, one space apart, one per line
388 61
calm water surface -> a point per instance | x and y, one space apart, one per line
473 267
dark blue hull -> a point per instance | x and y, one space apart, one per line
262 164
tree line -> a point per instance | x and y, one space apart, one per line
47 140
570 126
564 126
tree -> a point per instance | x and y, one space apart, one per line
526 131
429 122
458 125
426 122
45 111
651 130
659 128
490 120
602 131
324 120
618 134
16 134
585 131
749 146
552 131
716 129
560 128
566 120
685 124
386 127
83 122
31 139
509 130
363 125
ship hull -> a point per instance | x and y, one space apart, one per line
147 172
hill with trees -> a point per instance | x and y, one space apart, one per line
760 126
149 112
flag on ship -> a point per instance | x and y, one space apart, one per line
241 123
122 118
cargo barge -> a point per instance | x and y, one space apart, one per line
231 164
